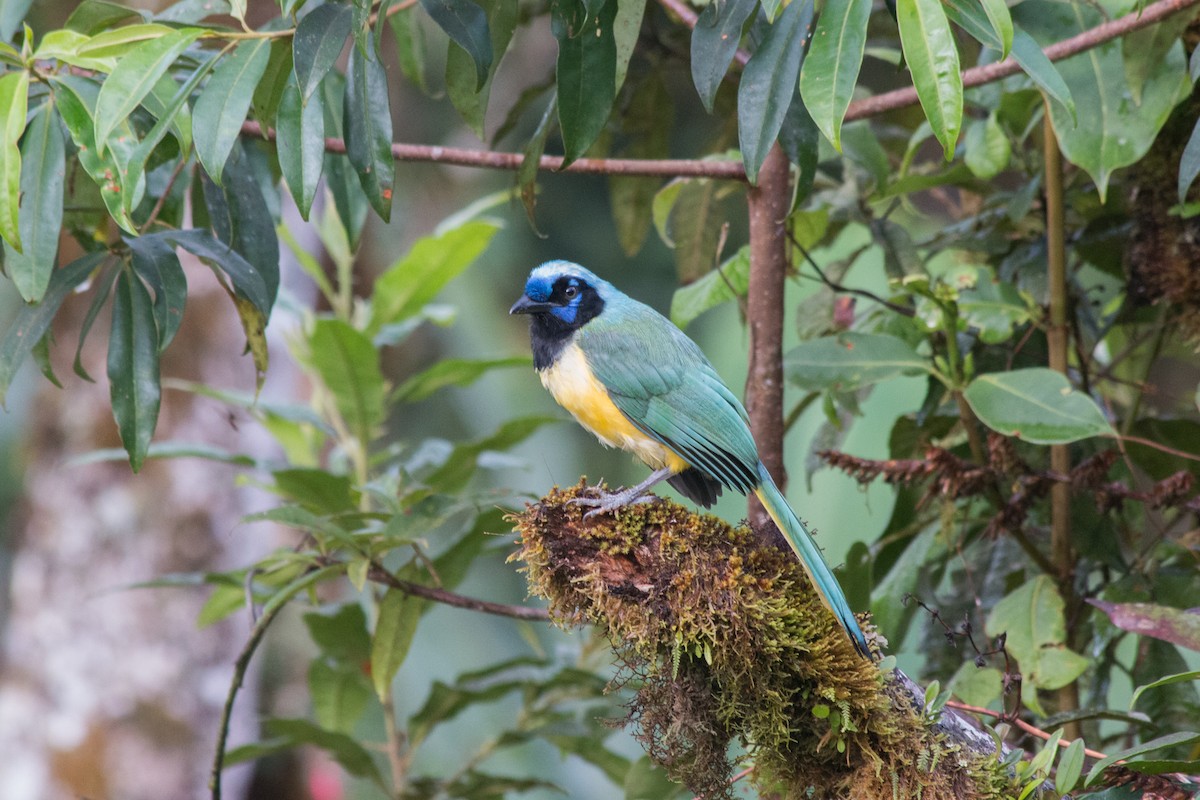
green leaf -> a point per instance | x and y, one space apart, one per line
451 372
715 40
987 148
932 56
1171 740
1001 19
342 636
728 281
1150 619
410 48
398 616
134 77
225 101
101 289
585 72
14 89
300 139
769 81
991 307
220 256
466 24
42 180
647 122
831 68
1189 163
133 367
801 140
368 126
1179 677
406 286
1111 130
1041 70
239 216
1070 767
1031 617
154 260
627 27
76 102
850 360
279 72
1145 48
92 16
12 16
531 158
339 695
340 178
695 226
471 100
461 464
1037 405
119 41
31 323
348 364
347 752
977 686
319 39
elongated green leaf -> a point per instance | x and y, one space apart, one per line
119 41
14 89
715 39
1027 53
1179 677
318 42
851 360
348 364
627 27
31 322
467 24
531 157
398 616
300 132
769 81
238 214
1112 131
225 101
932 56
1070 767
351 755
1001 19
472 101
133 367
92 16
987 148
410 49
42 180
155 261
405 287
585 71
831 68
279 72
340 178
1037 405
368 125
12 16
724 283
1031 617
1172 625
1189 163
101 290
1170 740
1144 49
451 372
340 694
220 256
134 77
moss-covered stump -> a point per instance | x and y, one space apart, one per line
728 642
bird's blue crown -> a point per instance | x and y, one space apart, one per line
542 279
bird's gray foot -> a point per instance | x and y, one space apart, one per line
611 501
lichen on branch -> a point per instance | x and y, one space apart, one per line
725 642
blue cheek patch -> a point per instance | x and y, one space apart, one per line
566 313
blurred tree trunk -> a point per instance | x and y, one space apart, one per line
108 691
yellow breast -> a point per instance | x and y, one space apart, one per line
576 389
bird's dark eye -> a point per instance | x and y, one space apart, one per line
570 292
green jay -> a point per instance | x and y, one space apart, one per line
635 380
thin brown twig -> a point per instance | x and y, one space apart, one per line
382 576
1020 723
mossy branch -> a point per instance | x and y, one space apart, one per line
725 641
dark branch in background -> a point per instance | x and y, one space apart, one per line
489 159
989 73
904 311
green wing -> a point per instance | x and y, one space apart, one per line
661 381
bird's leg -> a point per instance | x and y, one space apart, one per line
611 501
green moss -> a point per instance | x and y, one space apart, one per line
727 642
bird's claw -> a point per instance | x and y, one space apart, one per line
609 502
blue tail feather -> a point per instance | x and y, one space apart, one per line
806 549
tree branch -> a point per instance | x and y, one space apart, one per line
380 575
989 73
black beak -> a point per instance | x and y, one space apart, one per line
526 306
